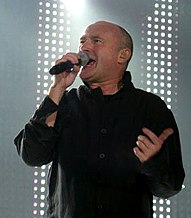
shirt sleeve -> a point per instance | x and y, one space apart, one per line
36 142
164 173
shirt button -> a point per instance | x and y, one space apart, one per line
103 131
102 155
100 206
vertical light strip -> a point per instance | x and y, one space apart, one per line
160 65
160 50
53 41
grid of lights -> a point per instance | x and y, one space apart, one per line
53 42
161 208
160 45
159 64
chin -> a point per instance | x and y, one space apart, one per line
86 74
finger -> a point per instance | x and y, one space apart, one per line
72 57
165 134
76 69
146 141
139 154
148 149
142 146
152 136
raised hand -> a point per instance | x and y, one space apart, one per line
149 145
65 79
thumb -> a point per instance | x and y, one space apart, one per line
165 134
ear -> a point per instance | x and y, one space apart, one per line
124 55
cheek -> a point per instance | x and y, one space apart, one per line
111 60
108 57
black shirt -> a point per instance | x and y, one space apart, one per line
94 171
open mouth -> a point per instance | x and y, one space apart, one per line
91 62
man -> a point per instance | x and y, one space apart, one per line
111 146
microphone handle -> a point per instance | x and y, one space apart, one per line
61 67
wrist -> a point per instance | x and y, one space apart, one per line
55 93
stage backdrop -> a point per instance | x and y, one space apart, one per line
35 33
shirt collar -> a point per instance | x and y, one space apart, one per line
126 80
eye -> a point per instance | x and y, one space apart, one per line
97 41
82 41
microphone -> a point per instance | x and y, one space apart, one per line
68 65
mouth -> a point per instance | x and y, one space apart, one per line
90 63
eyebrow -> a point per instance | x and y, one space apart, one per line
92 37
82 37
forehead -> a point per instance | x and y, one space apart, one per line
101 29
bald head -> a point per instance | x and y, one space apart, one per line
125 38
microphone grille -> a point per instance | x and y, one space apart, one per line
84 58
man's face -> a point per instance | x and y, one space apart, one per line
101 41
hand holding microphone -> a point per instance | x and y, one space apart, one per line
65 72
68 65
